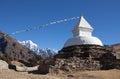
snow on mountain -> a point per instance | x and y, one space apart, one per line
43 52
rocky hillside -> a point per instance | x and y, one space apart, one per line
117 49
10 49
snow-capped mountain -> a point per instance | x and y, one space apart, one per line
43 52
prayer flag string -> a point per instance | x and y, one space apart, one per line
44 25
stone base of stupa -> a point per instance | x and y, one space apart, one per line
85 57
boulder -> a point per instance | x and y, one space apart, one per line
16 63
43 68
26 69
3 65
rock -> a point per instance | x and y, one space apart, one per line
3 65
45 65
16 63
26 69
44 68
118 55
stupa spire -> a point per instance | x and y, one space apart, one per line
82 28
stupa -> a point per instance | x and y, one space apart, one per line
82 34
84 52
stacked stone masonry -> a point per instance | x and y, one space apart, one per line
85 57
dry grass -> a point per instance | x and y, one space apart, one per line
109 74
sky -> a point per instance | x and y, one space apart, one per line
103 16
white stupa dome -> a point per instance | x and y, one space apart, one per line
83 35
83 40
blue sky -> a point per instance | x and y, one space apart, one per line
103 15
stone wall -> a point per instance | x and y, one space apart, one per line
93 51
77 64
85 57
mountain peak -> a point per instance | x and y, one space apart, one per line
47 52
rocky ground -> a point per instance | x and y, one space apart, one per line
108 74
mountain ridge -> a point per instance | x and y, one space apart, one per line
47 52
11 49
